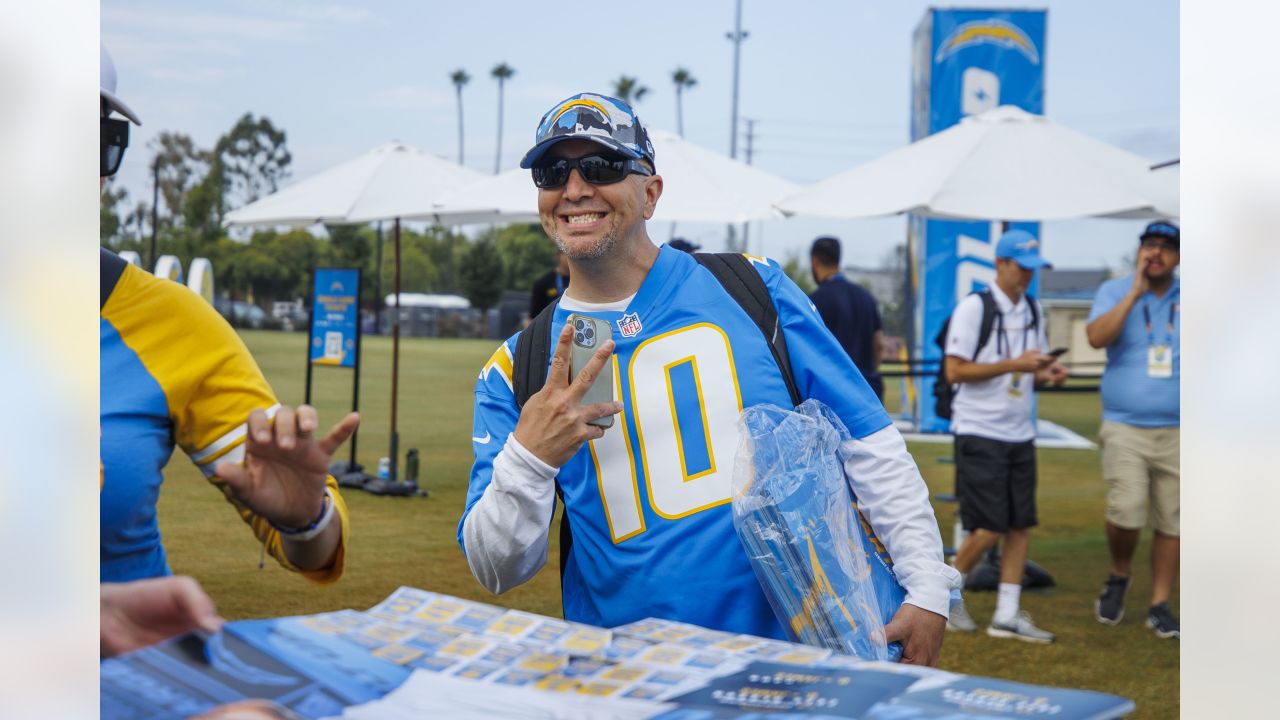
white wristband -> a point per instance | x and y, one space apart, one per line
315 528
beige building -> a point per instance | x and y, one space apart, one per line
1066 296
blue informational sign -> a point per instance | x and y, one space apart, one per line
335 310
965 62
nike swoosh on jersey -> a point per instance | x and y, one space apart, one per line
481 440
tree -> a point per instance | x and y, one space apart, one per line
481 274
798 273
180 166
135 222
683 79
109 223
460 78
502 72
250 161
629 90
527 254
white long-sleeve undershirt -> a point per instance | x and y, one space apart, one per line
506 532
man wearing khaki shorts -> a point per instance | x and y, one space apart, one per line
1136 319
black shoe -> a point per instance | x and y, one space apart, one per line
1161 620
1109 608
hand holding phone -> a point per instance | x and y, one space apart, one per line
555 421
1057 352
588 335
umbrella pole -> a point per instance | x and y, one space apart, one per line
395 362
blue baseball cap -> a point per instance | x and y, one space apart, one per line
1161 229
1023 248
603 120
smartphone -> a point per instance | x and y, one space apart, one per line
1057 352
588 335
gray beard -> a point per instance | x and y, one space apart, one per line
601 249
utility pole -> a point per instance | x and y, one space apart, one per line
737 36
155 205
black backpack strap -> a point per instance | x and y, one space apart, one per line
1035 311
533 349
110 267
989 313
745 286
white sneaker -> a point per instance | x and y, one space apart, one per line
1021 628
958 619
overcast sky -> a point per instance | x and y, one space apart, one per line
827 82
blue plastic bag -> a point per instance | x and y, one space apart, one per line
828 578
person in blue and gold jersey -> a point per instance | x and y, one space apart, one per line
174 372
648 500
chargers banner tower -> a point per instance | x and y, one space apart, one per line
965 61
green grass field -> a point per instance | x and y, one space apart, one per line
412 541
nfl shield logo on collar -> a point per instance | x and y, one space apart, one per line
630 325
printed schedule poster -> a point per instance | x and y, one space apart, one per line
335 310
765 688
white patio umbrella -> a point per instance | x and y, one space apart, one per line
390 182
1004 164
699 186
1167 178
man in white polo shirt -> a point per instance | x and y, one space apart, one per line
994 429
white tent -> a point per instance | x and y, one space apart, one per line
1168 177
1004 164
390 181
698 186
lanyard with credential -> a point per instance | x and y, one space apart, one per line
1003 337
1146 316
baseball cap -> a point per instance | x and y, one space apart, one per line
606 121
684 245
1023 248
107 86
1161 229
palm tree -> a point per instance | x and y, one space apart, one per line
629 90
459 78
683 79
501 72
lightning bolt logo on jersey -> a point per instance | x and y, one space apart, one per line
648 502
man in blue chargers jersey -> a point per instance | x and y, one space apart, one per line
648 499
1136 319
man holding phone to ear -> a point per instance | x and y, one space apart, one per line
1136 319
994 427
649 525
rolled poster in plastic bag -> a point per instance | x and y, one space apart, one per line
829 579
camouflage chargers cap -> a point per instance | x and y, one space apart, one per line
603 120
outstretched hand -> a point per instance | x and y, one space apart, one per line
285 467
920 633
553 422
143 612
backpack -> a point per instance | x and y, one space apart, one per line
944 393
739 279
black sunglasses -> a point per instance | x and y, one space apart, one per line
111 145
1158 243
595 169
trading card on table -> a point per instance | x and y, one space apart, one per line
624 648
514 624
467 646
584 640
477 670
437 663
398 654
517 676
